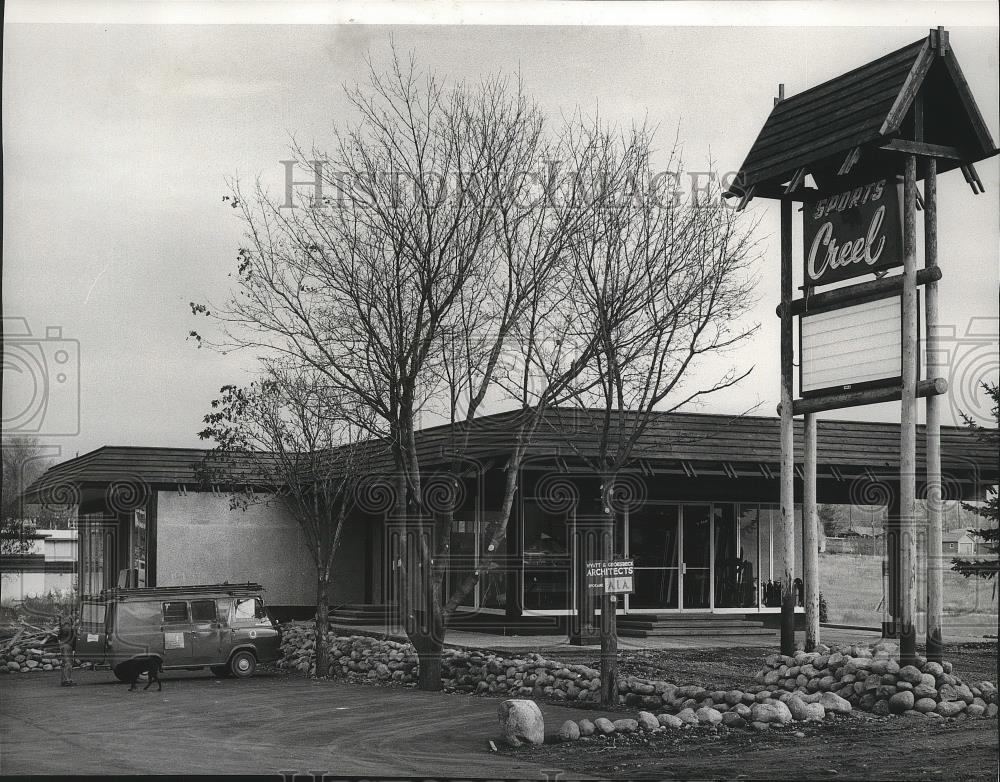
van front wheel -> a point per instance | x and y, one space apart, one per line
243 665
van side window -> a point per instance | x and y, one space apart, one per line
247 609
203 611
175 611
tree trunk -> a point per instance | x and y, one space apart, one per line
322 620
429 643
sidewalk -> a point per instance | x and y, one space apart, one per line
553 644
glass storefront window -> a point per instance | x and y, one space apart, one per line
547 563
735 565
463 557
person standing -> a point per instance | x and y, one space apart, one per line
67 641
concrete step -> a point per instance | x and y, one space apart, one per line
690 624
682 632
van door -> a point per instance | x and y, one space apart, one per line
91 637
177 634
206 634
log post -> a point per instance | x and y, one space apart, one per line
810 536
787 438
935 585
908 424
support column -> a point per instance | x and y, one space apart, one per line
935 585
810 536
787 438
908 424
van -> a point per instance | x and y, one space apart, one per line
223 627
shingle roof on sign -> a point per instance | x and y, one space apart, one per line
868 107
832 117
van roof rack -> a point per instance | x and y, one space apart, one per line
249 588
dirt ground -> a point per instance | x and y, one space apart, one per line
856 746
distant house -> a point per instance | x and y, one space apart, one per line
49 565
958 541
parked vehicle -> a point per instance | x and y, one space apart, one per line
224 627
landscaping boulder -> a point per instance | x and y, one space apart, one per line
521 722
771 713
901 701
586 727
604 726
950 708
925 705
708 716
733 720
687 716
569 731
647 721
669 721
626 725
834 703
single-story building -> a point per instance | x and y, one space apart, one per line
699 515
959 542
49 565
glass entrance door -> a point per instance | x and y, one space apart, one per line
654 545
697 556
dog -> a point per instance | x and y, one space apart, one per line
139 666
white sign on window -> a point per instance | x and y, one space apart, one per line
859 345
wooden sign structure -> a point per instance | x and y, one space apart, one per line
902 118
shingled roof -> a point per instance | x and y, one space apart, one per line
872 108
729 445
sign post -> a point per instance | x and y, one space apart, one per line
854 137
607 579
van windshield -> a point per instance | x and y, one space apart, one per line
92 617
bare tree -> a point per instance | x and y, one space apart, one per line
24 460
659 285
285 440
406 293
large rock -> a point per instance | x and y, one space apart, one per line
925 691
733 720
975 710
521 723
950 708
626 725
741 710
647 721
925 705
834 703
934 669
569 731
910 673
586 727
771 713
687 716
815 712
604 726
949 692
881 708
901 701
669 721
798 708
708 716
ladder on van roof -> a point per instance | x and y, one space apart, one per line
232 590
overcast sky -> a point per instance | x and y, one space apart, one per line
118 141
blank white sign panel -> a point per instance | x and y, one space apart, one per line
860 343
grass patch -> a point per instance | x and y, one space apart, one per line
852 585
